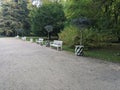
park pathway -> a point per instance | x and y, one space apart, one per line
28 66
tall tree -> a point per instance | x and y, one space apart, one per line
15 17
104 14
108 18
47 14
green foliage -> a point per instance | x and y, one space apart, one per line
90 37
93 38
47 14
14 17
69 35
78 8
104 14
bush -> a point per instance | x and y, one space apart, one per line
47 14
90 38
69 35
94 39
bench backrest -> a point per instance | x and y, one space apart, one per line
23 38
58 42
40 39
17 36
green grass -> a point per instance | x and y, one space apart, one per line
45 38
104 54
112 55
67 48
34 38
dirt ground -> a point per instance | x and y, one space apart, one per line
29 66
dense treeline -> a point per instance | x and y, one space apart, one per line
100 19
14 18
47 14
104 18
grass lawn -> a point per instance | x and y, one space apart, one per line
34 38
104 54
111 54
108 54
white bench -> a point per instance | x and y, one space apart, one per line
23 38
56 43
31 40
40 41
17 37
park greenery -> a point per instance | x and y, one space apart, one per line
47 14
14 18
98 21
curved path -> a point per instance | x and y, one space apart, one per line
28 66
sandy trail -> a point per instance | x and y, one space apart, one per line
28 66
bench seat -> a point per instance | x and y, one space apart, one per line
56 43
23 38
40 41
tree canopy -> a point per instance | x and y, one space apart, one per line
14 18
47 14
17 16
103 14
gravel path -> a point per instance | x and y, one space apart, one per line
28 66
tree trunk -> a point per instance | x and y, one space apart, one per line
116 18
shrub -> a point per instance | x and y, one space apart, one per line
94 39
69 35
90 38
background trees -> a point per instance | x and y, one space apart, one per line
14 18
47 14
108 17
104 19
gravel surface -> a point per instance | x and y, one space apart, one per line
28 66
